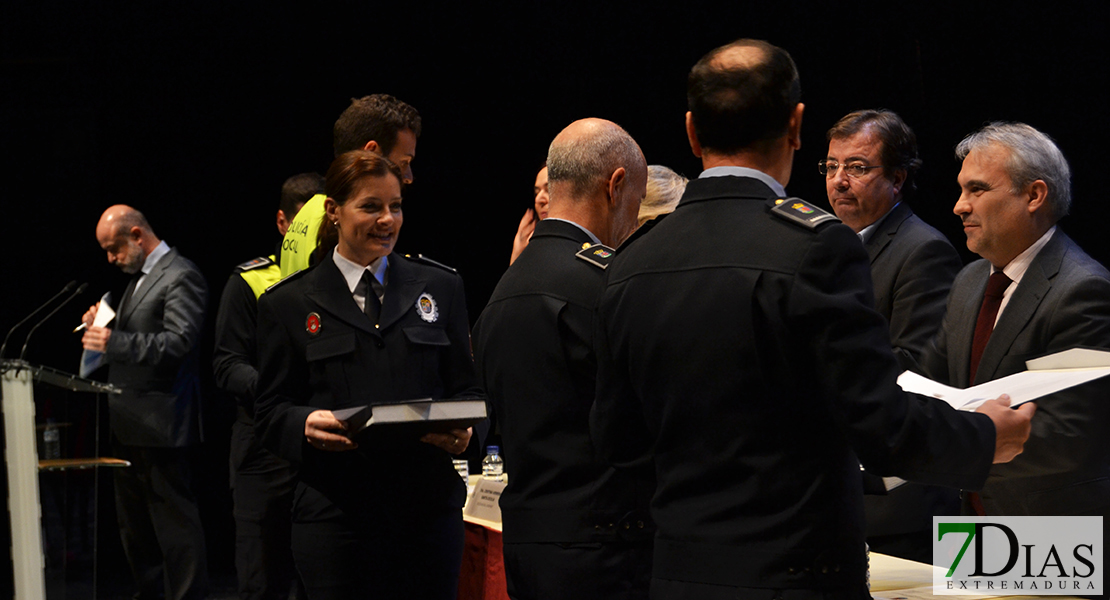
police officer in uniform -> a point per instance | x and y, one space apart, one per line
379 515
574 527
739 350
261 483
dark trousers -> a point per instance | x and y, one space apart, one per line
393 553
619 570
159 523
262 489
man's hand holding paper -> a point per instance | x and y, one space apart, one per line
1011 426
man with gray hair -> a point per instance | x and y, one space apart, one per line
574 527
1035 292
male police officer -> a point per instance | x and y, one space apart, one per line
738 348
574 526
261 483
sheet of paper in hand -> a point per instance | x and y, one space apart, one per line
1046 375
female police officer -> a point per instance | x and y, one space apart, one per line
379 515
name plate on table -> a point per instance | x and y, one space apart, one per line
483 501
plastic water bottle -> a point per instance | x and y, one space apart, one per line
493 468
51 441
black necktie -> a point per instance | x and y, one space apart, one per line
374 289
129 291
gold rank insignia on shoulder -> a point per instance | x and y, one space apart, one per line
597 255
258 263
801 212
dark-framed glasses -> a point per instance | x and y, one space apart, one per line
829 168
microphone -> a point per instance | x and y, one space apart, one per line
80 290
67 289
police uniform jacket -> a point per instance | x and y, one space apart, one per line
534 350
319 351
741 352
235 353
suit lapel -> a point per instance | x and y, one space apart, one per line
331 294
133 297
886 231
401 292
1023 304
125 302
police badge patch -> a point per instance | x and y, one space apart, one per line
427 308
312 324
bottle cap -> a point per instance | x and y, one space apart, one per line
492 449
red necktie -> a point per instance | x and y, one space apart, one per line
988 313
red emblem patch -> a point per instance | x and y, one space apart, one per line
312 324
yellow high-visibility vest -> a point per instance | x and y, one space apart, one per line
300 240
260 274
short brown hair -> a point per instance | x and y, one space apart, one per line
899 149
378 118
740 107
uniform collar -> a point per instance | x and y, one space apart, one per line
593 237
352 271
734 171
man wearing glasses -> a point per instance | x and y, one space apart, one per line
868 176
869 173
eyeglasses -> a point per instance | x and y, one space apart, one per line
829 169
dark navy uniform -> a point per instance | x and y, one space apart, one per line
574 527
383 520
738 348
261 483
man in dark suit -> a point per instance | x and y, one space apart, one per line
152 353
574 527
738 348
1048 296
869 175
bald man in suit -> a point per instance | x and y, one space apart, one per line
152 352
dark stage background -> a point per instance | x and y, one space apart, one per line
196 114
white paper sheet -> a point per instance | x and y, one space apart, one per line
1048 374
92 360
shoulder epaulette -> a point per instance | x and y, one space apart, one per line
801 212
258 263
424 259
597 255
289 277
